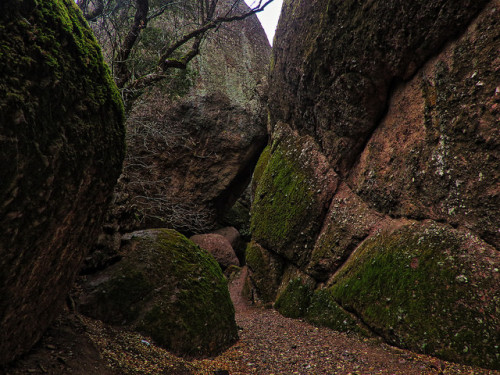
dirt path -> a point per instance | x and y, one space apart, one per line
272 344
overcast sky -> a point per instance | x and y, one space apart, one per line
269 17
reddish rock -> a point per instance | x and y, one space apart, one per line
219 247
234 237
398 102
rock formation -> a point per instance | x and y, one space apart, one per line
61 151
168 288
376 205
194 140
219 247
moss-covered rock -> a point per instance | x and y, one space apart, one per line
266 270
168 288
348 222
428 288
323 310
260 167
61 151
295 184
295 293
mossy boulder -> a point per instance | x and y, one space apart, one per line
428 288
348 222
168 288
295 184
61 151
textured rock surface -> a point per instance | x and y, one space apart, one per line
193 143
382 179
61 150
168 288
429 288
219 247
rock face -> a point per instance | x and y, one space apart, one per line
193 143
61 150
166 287
219 247
376 205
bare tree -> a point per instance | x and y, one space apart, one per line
123 21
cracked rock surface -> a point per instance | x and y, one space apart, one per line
381 186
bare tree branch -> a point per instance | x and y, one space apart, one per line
140 22
208 19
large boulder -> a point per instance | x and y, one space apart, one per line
429 288
397 105
168 288
193 141
61 151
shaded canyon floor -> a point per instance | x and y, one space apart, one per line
269 344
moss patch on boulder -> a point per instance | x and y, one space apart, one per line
428 288
266 270
294 185
260 167
324 311
295 293
168 288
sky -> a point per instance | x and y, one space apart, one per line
268 17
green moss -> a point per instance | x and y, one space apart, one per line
266 271
202 315
170 289
294 300
261 166
324 311
282 200
421 290
53 74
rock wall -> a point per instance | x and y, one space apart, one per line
193 140
376 204
61 151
